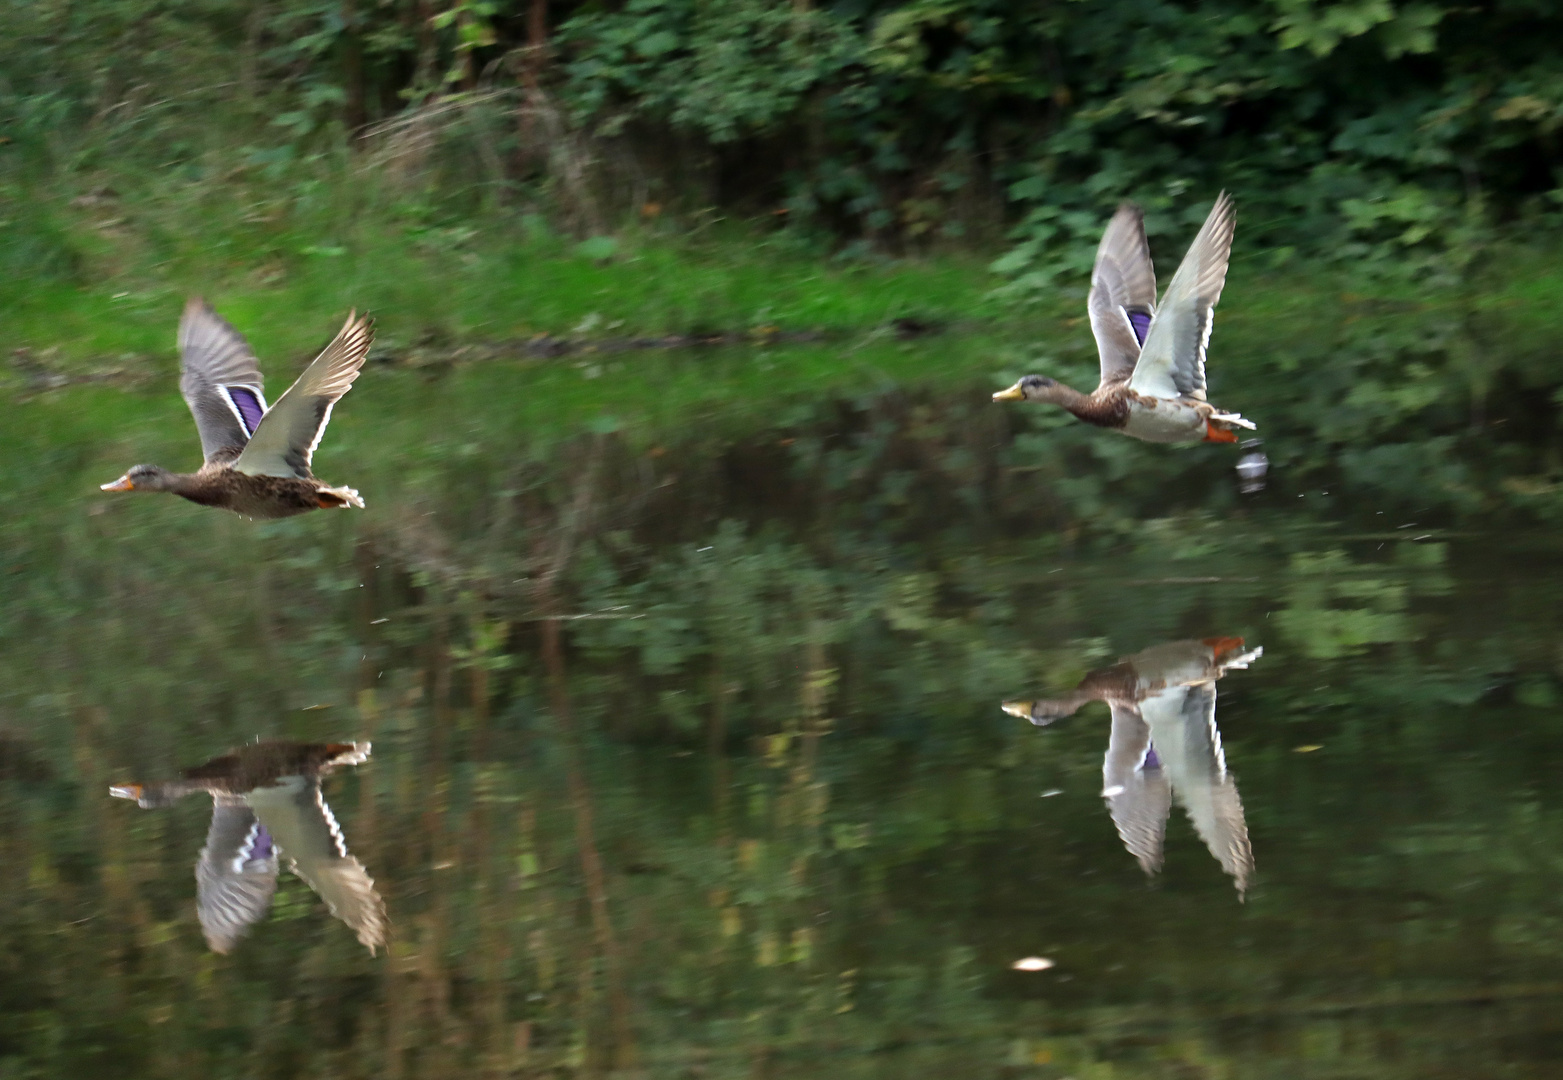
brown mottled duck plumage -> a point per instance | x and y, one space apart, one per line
258 460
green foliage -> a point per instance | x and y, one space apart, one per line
1355 121
727 70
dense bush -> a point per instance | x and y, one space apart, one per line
1353 126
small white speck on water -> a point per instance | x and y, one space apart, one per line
1050 792
707 548
1032 963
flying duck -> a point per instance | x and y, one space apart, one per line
257 459
1153 360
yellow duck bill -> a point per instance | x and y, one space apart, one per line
1014 393
122 484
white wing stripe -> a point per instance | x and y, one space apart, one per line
246 849
325 419
331 823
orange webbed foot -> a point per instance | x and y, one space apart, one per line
1215 434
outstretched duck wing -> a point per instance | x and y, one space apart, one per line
306 831
236 874
220 381
1172 361
1135 787
1123 293
284 442
1183 727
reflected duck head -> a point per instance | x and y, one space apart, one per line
146 796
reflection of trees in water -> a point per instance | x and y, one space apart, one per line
810 834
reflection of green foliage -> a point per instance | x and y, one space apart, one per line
820 835
1331 610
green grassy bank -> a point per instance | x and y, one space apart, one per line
1433 391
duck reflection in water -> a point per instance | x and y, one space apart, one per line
1164 742
266 801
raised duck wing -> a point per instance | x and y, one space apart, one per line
220 381
306 831
1183 728
1123 293
1172 360
1135 788
236 874
284 442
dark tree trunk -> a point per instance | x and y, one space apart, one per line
353 112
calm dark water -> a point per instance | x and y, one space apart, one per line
750 806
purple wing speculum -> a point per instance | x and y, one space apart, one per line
248 404
256 849
260 847
1141 321
1151 760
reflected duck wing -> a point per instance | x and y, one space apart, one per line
236 874
1172 361
1221 825
285 440
220 381
1185 733
1136 790
1123 293
295 813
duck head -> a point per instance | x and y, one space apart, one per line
142 478
1031 388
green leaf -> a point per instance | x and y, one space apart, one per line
657 43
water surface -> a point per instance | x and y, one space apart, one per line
747 804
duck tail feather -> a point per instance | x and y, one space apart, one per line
331 498
1235 420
